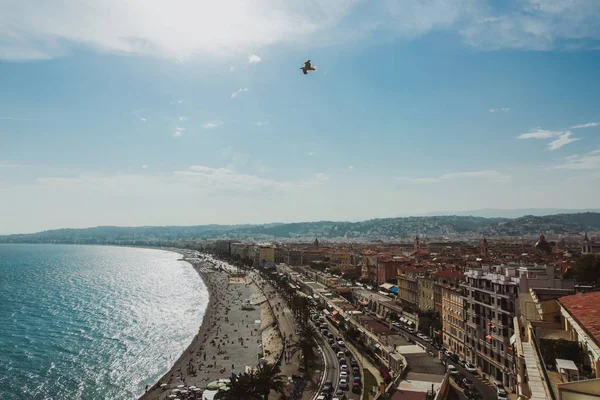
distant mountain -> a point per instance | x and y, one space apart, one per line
450 226
512 212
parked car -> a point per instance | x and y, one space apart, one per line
348 353
341 343
331 341
355 371
340 354
343 384
327 384
339 393
354 363
468 383
470 367
343 366
452 369
344 375
357 379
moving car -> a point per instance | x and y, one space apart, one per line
470 367
468 383
452 369
344 375
341 343
343 384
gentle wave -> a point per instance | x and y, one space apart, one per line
87 322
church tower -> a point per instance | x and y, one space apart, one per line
484 248
417 243
587 245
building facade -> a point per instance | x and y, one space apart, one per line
491 296
425 285
408 290
453 320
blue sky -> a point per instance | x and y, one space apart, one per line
148 113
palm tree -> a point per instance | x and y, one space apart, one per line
241 387
268 378
305 343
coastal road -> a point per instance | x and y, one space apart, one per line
333 370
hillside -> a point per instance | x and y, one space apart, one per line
376 229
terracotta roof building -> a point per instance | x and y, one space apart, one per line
582 319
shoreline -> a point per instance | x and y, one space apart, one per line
210 306
231 336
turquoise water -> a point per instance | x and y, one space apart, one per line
86 322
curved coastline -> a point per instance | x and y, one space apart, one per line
195 345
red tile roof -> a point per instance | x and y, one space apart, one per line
584 308
449 274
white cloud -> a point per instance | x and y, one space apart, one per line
486 174
5 164
230 179
180 101
312 153
588 125
13 118
178 131
563 140
232 68
42 30
499 110
588 161
142 119
253 59
237 92
262 123
212 124
562 137
182 119
144 166
539 134
350 167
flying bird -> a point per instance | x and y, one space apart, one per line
307 67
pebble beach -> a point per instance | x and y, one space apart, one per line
238 327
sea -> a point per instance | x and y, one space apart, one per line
93 322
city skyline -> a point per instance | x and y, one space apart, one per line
199 114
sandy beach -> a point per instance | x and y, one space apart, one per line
238 326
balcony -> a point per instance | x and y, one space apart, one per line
498 336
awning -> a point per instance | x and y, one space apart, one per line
488 337
363 302
335 312
513 338
410 322
394 289
386 286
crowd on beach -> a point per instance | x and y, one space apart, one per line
228 341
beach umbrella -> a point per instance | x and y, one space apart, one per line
172 396
180 386
192 387
163 385
218 384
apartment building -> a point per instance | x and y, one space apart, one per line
425 285
491 296
453 319
408 291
